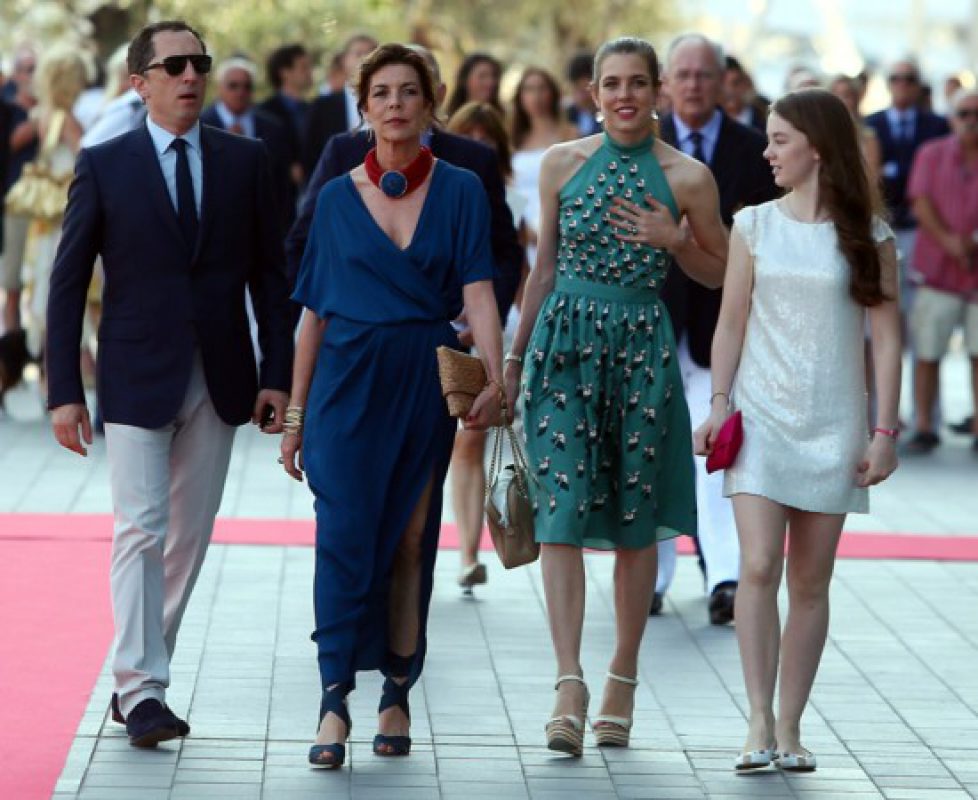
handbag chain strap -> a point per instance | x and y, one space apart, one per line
522 474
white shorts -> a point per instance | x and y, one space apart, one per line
934 317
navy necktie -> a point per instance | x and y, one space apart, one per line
697 139
186 203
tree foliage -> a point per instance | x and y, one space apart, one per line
519 32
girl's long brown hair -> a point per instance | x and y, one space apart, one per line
845 190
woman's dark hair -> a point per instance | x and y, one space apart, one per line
521 120
385 56
282 58
460 92
844 188
627 46
487 117
141 51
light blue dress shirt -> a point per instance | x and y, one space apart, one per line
246 120
903 124
162 139
710 133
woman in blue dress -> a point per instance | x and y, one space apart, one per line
395 247
607 428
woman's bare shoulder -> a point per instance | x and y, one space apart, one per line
562 160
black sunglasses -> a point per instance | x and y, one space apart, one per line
903 78
967 113
175 65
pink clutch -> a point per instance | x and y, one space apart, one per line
729 439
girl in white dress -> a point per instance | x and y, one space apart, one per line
803 274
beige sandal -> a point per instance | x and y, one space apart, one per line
612 731
565 733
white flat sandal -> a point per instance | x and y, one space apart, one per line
565 733
610 731
755 759
796 762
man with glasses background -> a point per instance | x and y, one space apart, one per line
234 111
183 218
699 127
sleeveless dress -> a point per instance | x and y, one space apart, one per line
606 424
801 381
377 428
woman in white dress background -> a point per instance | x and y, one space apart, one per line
804 272
538 122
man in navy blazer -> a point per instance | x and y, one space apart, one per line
734 153
179 213
901 129
234 111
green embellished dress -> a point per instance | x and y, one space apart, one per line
606 424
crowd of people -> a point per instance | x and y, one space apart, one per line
661 249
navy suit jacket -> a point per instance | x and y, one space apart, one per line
346 151
276 139
743 178
898 159
275 106
164 299
326 118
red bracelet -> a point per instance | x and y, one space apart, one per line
893 433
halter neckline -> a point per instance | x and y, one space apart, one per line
629 149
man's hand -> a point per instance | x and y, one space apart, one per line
278 401
66 421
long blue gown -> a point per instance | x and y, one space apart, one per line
377 428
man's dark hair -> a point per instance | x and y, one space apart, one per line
734 65
141 51
580 66
283 58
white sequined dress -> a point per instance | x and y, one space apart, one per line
801 383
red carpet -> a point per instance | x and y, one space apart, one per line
55 630
56 624
98 528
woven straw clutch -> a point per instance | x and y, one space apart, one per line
463 377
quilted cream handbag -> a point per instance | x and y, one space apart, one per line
509 507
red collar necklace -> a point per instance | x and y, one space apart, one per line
399 183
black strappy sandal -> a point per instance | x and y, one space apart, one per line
332 756
395 694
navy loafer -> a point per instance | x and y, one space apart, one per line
149 724
183 729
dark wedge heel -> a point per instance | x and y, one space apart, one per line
332 756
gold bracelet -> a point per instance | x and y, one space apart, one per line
295 415
715 395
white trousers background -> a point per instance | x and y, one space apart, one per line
717 532
166 489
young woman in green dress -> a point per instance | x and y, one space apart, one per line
607 429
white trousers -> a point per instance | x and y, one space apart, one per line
166 489
717 532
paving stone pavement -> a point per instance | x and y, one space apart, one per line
894 712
